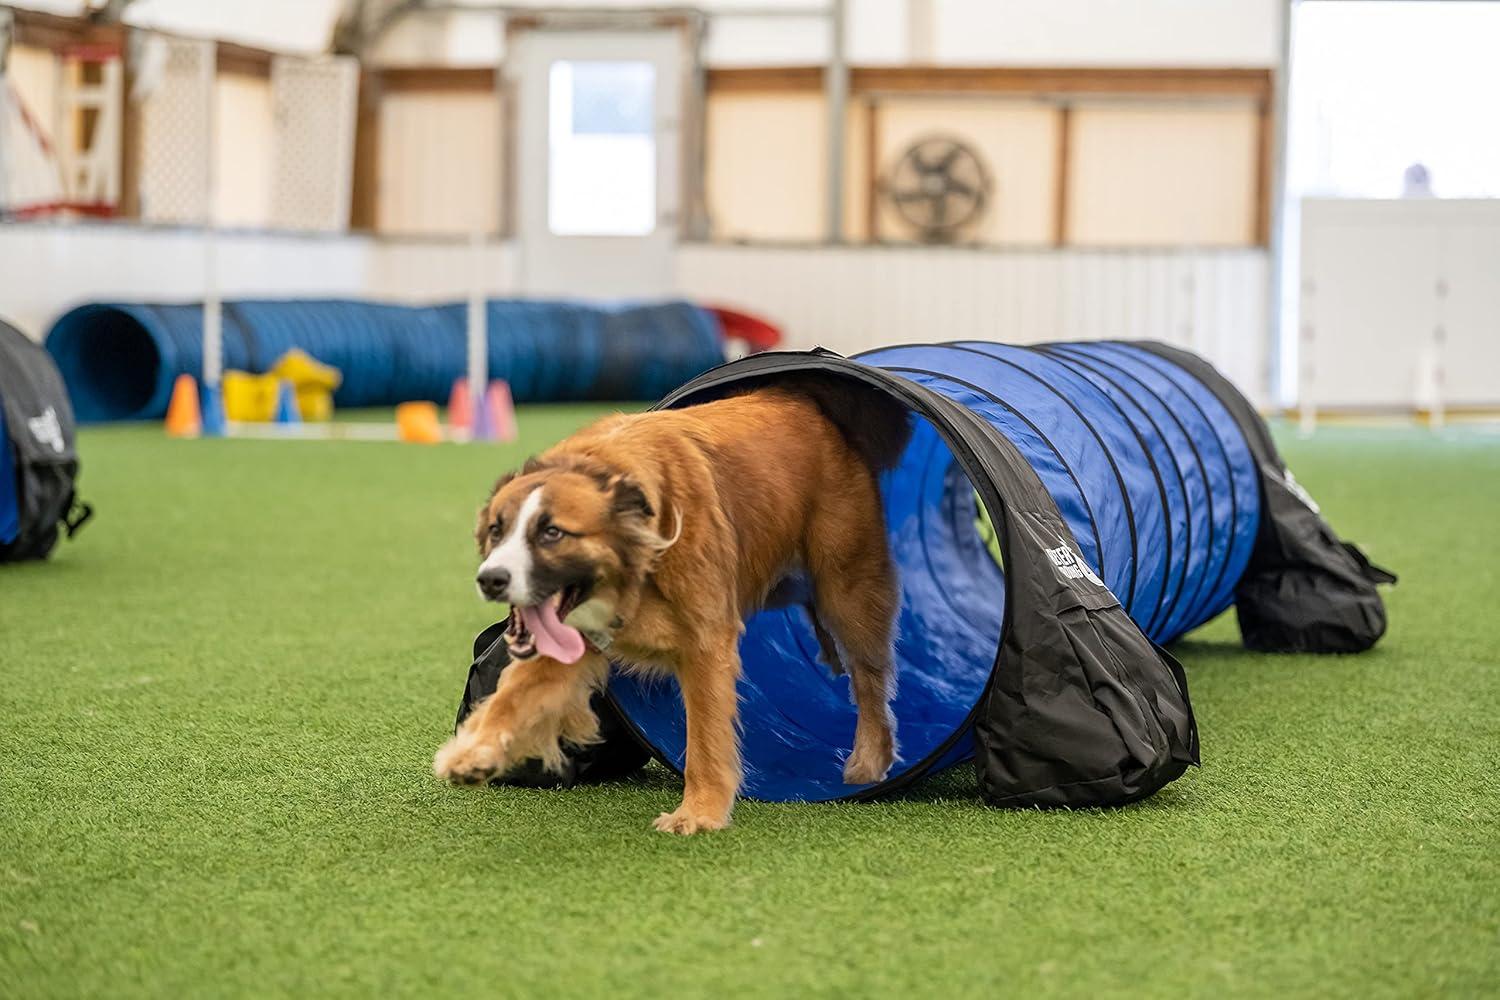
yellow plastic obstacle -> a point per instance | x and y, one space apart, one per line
252 398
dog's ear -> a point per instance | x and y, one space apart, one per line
482 520
627 498
501 483
482 527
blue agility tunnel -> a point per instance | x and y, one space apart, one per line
120 360
1135 495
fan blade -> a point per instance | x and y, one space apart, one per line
954 151
910 195
956 186
939 212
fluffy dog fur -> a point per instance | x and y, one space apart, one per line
667 529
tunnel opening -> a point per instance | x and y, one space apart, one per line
799 716
110 361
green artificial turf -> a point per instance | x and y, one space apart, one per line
219 704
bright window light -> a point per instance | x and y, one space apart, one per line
602 149
1393 99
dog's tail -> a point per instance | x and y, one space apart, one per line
876 426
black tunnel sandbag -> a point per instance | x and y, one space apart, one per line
1305 589
120 360
1072 704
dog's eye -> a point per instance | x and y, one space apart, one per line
552 533
495 530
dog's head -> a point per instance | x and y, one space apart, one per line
568 544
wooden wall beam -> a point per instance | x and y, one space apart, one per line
364 192
35 29
435 79
242 60
1062 175
765 80
131 141
872 169
1265 170
1253 84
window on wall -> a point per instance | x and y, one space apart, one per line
1393 99
602 149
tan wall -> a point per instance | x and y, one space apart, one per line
1163 175
1017 143
1142 174
766 166
32 72
244 130
439 166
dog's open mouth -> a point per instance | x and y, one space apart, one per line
540 629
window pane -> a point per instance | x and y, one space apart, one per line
602 149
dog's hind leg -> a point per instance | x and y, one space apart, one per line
796 589
827 646
857 597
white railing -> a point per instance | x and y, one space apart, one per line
849 299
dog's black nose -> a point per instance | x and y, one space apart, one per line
493 582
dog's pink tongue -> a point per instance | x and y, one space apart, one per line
553 638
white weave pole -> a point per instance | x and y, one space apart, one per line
479 345
213 309
213 303
1437 415
1307 409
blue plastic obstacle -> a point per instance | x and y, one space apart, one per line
1158 482
119 360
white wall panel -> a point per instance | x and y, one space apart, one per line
1393 292
852 299
964 32
1108 32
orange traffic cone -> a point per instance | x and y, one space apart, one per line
460 406
501 410
418 423
184 416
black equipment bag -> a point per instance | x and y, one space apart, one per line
616 755
39 464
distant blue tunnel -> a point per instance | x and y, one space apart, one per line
120 359
1150 471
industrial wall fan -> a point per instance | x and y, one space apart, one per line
939 186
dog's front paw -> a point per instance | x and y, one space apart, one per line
687 821
868 768
465 760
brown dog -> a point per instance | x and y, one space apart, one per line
653 536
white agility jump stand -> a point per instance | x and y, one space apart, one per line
478 328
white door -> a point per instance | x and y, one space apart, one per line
597 161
